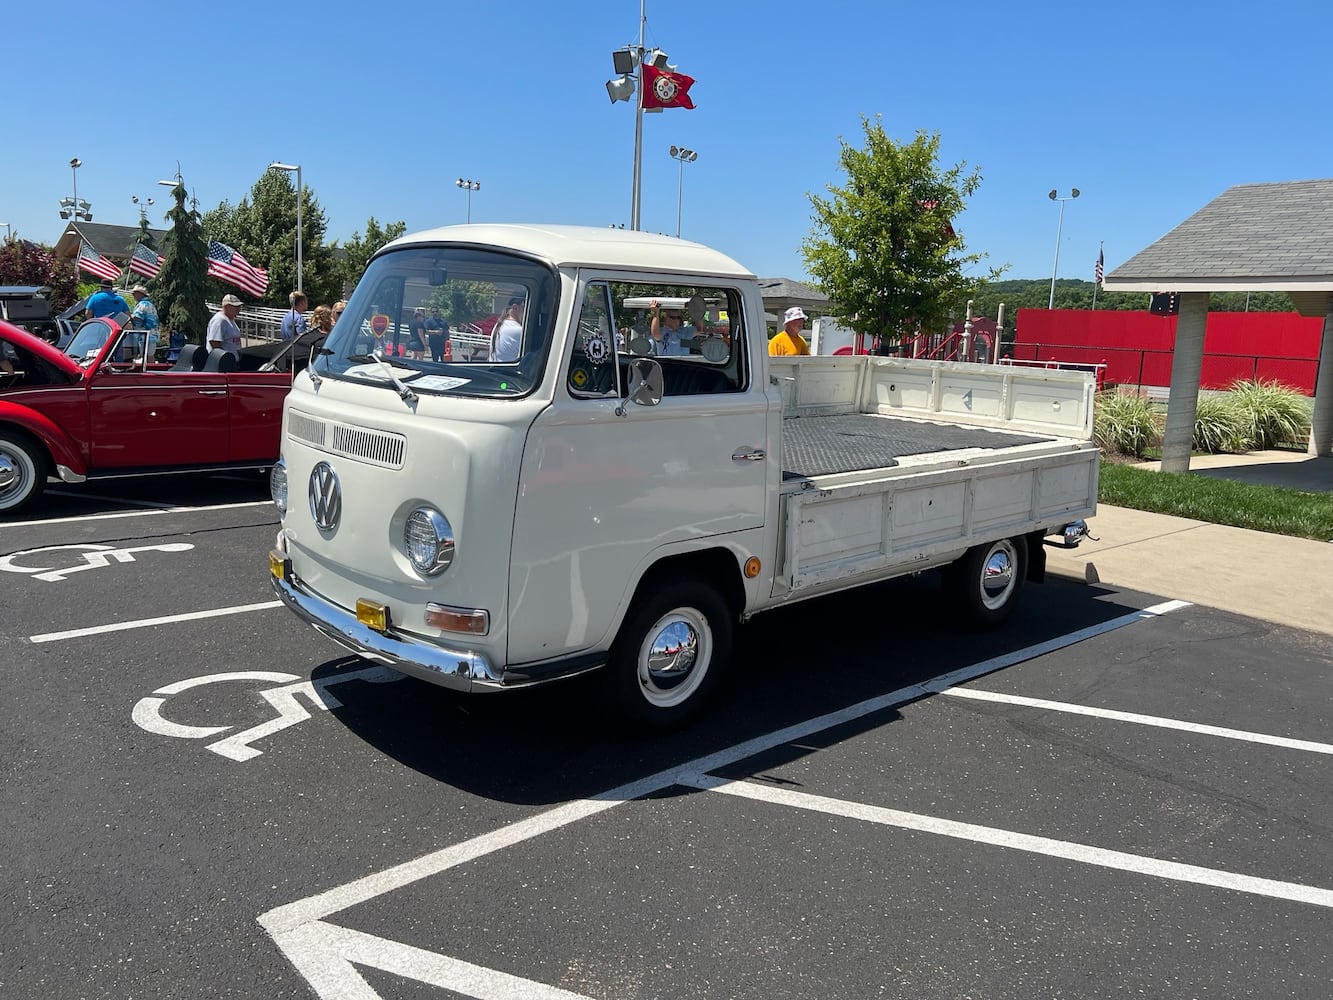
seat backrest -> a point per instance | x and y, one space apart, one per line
220 361
187 362
690 378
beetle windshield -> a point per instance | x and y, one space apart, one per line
464 321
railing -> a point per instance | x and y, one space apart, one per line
1145 368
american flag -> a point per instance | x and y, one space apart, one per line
229 266
1097 271
92 261
144 261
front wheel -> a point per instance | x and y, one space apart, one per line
986 580
22 471
669 652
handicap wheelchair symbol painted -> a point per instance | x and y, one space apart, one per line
91 556
148 716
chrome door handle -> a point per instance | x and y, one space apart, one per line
212 392
750 455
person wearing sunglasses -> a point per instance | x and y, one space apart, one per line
669 331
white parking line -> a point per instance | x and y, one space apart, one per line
134 513
1292 891
328 956
1143 720
188 616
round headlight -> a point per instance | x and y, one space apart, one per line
277 485
429 541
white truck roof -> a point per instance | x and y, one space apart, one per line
589 246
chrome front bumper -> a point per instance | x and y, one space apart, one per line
461 670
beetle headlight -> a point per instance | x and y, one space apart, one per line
429 541
277 486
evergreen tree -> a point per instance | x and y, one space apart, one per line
181 285
357 251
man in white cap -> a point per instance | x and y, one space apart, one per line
222 329
788 340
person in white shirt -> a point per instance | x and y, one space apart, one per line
222 329
668 331
508 334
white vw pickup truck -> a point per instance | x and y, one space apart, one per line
626 474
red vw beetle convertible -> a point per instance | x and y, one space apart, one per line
100 408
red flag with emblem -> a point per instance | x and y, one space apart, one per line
664 89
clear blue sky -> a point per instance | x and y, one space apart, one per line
1150 109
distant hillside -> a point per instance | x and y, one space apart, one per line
1071 293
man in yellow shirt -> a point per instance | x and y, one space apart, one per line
788 340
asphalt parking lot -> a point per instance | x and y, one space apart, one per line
1115 795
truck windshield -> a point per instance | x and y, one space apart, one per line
464 321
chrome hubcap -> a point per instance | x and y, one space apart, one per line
674 657
11 474
997 574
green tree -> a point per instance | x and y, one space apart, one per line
884 248
23 262
357 251
263 228
180 288
463 301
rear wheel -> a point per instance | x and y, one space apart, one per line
986 580
669 653
22 470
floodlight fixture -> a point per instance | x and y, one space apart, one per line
656 59
620 89
622 60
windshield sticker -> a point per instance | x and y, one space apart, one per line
440 383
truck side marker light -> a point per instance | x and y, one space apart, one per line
752 567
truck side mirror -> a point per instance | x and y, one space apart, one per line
644 382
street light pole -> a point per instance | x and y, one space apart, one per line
683 156
9 232
469 186
1054 196
638 124
300 191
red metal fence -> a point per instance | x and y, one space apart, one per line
1136 348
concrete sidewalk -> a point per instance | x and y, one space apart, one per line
1275 578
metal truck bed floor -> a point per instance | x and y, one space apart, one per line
819 446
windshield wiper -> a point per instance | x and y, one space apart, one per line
404 393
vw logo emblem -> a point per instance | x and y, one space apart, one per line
326 496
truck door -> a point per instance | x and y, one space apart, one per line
600 491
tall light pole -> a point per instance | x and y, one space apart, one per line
300 191
469 186
1055 196
9 233
72 208
683 156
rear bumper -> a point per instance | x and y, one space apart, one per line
458 669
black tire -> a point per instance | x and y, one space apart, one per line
23 471
690 627
985 582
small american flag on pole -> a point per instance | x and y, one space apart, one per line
1097 271
92 261
228 265
144 261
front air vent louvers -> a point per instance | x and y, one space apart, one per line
374 446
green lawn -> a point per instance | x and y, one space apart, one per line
1219 501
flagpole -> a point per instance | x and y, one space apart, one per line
1096 284
638 123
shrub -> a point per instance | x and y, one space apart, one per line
1276 414
1125 423
1221 424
